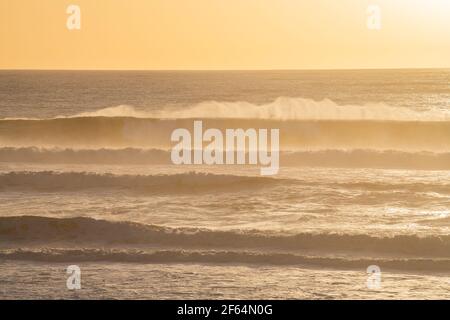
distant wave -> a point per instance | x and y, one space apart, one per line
243 257
186 182
120 132
88 231
360 158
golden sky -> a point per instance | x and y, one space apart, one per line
224 34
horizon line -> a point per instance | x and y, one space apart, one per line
233 70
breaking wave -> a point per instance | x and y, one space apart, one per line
87 231
282 108
303 124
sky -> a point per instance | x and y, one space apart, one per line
224 34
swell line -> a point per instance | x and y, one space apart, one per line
357 158
186 182
79 230
220 257
54 181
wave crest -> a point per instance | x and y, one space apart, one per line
282 108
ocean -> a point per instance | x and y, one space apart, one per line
86 179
